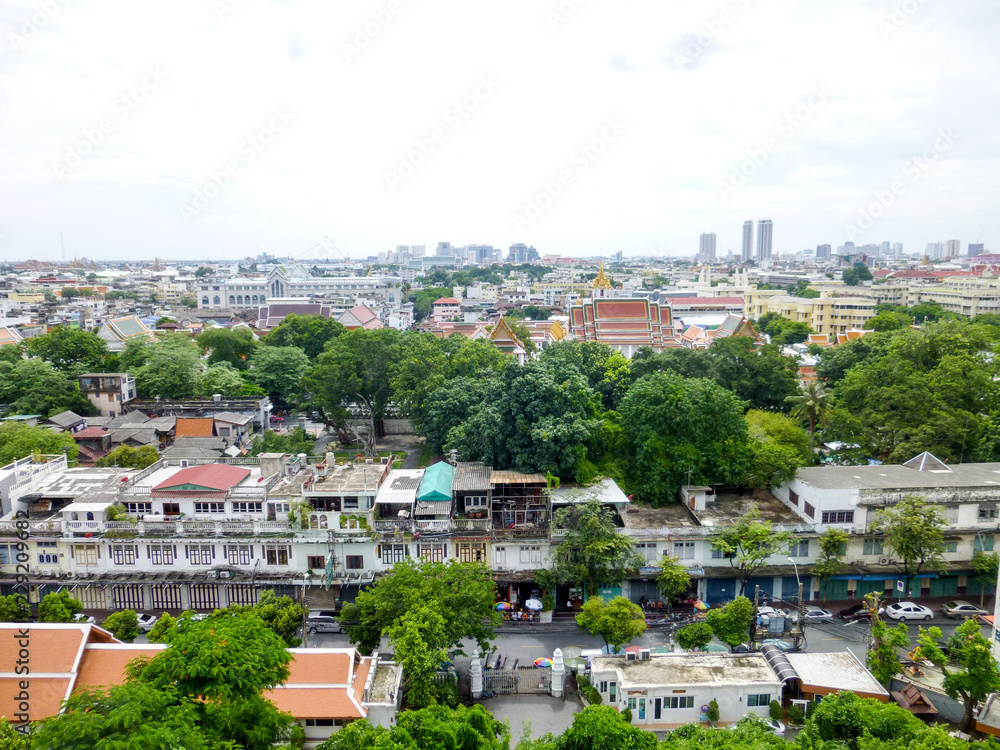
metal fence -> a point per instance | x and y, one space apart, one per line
523 680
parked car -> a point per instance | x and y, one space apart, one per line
323 623
907 611
276 419
961 608
82 619
146 622
857 613
817 614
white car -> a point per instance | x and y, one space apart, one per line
907 611
817 614
146 622
771 611
83 619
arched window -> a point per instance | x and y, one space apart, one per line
204 301
90 515
313 522
255 299
217 301
322 522
239 300
232 299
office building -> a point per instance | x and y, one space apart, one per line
823 252
747 240
764 236
952 248
706 248
976 248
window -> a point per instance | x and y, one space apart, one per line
647 551
200 554
718 554
238 554
138 509
171 509
281 507
123 554
355 562
475 501
499 555
162 554
471 552
950 513
949 545
352 503
277 554
987 512
808 509
209 507
85 554
684 550
793 497
245 507
680 701
531 554
799 549
432 552
9 552
47 552
316 562
761 699
838 516
873 546
983 543
393 553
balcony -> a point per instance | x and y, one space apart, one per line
195 528
473 525
440 526
396 525
34 528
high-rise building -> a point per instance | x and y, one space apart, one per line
952 248
976 248
934 250
823 252
897 249
706 247
883 250
764 236
747 240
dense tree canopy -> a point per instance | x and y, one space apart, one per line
70 350
168 367
279 371
34 386
310 333
232 345
18 440
592 551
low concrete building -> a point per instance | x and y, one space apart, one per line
668 690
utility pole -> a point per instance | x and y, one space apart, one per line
305 612
797 632
753 623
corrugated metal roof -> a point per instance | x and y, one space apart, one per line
436 484
471 476
836 671
516 477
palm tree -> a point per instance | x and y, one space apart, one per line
812 403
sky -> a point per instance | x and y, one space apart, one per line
224 128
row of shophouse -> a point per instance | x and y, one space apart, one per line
190 533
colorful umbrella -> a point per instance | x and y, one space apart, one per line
543 662
502 605
533 604
700 606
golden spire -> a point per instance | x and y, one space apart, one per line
601 281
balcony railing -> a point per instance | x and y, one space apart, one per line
432 525
394 525
473 524
35 528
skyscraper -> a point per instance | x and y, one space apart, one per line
975 248
706 248
747 240
823 252
764 229
952 248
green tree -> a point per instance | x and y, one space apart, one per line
695 636
18 440
760 375
162 631
537 418
888 321
11 738
602 728
606 370
848 720
203 271
129 457
462 593
171 368
883 658
691 363
14 608
617 622
58 606
123 625
857 274
675 429
232 345
279 371
33 386
731 623
986 566
770 464
832 548
812 404
592 551
747 543
417 639
461 728
225 380
281 614
295 441
536 313
673 579
70 350
310 333
914 532
423 300
447 407
970 671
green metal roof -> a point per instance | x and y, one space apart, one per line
436 485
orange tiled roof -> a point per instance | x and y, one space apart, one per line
194 427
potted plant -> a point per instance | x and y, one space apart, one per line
713 712
548 604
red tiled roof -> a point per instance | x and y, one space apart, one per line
447 301
219 477
194 427
90 433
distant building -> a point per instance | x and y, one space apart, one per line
747 241
118 331
976 248
764 238
446 308
108 391
952 248
823 252
706 247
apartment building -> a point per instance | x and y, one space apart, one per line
825 314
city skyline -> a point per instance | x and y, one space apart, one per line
264 127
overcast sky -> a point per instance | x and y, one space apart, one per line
221 128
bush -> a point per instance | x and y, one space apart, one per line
795 715
594 697
774 711
695 635
627 715
123 625
713 711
